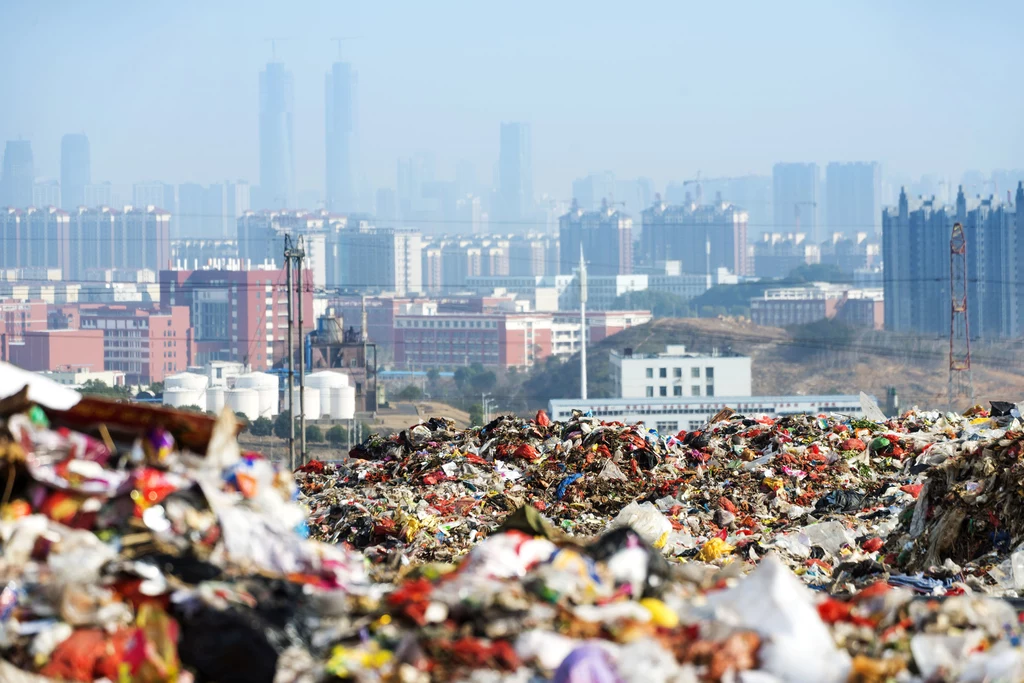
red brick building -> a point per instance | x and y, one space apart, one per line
145 344
502 340
237 315
52 349
16 319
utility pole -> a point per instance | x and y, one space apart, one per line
291 350
300 259
583 326
961 383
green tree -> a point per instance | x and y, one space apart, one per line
314 434
192 408
244 420
433 375
261 427
476 415
97 387
483 381
410 392
818 272
336 436
281 424
156 388
462 375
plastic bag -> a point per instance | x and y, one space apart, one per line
773 602
646 520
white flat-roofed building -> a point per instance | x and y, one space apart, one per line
675 373
673 415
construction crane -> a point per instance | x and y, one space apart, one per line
700 190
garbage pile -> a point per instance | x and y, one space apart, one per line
140 545
969 517
825 493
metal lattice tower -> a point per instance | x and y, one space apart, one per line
960 381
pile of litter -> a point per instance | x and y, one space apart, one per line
825 493
139 545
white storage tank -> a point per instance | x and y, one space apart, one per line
326 381
215 399
343 403
185 380
181 396
245 401
265 386
312 402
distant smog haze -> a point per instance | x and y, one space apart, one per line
170 92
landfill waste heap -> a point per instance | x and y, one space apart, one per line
141 545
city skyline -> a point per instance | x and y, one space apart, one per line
206 131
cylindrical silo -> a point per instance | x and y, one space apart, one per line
343 403
312 402
181 396
245 401
215 399
266 388
326 381
185 380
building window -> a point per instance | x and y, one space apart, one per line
695 390
667 427
695 373
710 390
677 372
662 372
677 390
650 392
709 373
662 391
650 373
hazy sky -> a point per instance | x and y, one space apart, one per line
168 90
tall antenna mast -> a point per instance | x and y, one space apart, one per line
583 326
961 383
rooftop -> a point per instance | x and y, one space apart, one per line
672 351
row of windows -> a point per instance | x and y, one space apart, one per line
709 372
479 324
677 390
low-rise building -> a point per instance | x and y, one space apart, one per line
565 330
670 416
77 377
810 303
678 373
145 344
427 339
42 350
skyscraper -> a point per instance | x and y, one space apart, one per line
796 199
339 99
605 237
19 174
853 198
591 190
277 154
515 175
160 195
75 170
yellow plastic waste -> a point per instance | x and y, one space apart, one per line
714 549
662 540
346 662
661 614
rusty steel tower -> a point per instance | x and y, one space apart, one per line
960 380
